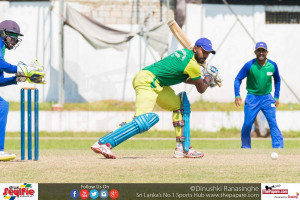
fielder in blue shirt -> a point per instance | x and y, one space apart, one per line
259 73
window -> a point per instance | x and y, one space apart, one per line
282 17
282 14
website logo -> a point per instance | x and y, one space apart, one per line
84 194
280 191
294 196
114 194
103 194
272 186
13 191
74 194
269 189
94 194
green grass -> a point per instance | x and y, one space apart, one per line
79 144
115 105
222 133
223 139
227 107
69 159
105 105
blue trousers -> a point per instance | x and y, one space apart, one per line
265 103
3 119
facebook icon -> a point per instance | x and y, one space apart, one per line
74 194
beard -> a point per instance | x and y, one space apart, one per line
10 47
199 59
261 58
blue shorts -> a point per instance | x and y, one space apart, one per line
265 103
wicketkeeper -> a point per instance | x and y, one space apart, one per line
152 85
33 73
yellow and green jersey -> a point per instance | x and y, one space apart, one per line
259 78
176 68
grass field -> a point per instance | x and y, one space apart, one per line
116 105
67 158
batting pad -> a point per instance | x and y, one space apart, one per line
139 124
186 110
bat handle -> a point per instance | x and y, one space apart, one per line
219 84
171 22
190 47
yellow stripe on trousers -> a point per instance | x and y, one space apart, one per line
148 92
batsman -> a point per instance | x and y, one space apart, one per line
32 73
152 85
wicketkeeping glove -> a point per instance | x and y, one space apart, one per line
33 73
36 79
32 79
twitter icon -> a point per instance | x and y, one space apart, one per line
94 194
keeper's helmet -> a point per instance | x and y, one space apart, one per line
10 32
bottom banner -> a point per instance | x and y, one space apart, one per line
131 191
149 191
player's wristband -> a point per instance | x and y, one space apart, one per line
205 82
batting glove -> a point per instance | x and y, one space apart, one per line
211 70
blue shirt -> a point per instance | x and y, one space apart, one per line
6 67
259 78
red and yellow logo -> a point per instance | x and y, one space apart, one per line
12 192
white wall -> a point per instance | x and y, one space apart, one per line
90 74
39 24
93 75
216 21
85 121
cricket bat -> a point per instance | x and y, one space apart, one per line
183 39
179 34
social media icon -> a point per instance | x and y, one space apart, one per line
84 194
114 194
94 194
103 194
74 194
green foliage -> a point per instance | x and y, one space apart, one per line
115 105
148 144
222 133
215 106
291 134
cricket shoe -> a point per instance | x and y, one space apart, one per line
5 156
104 149
180 153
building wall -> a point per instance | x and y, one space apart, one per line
85 121
235 47
93 75
125 11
